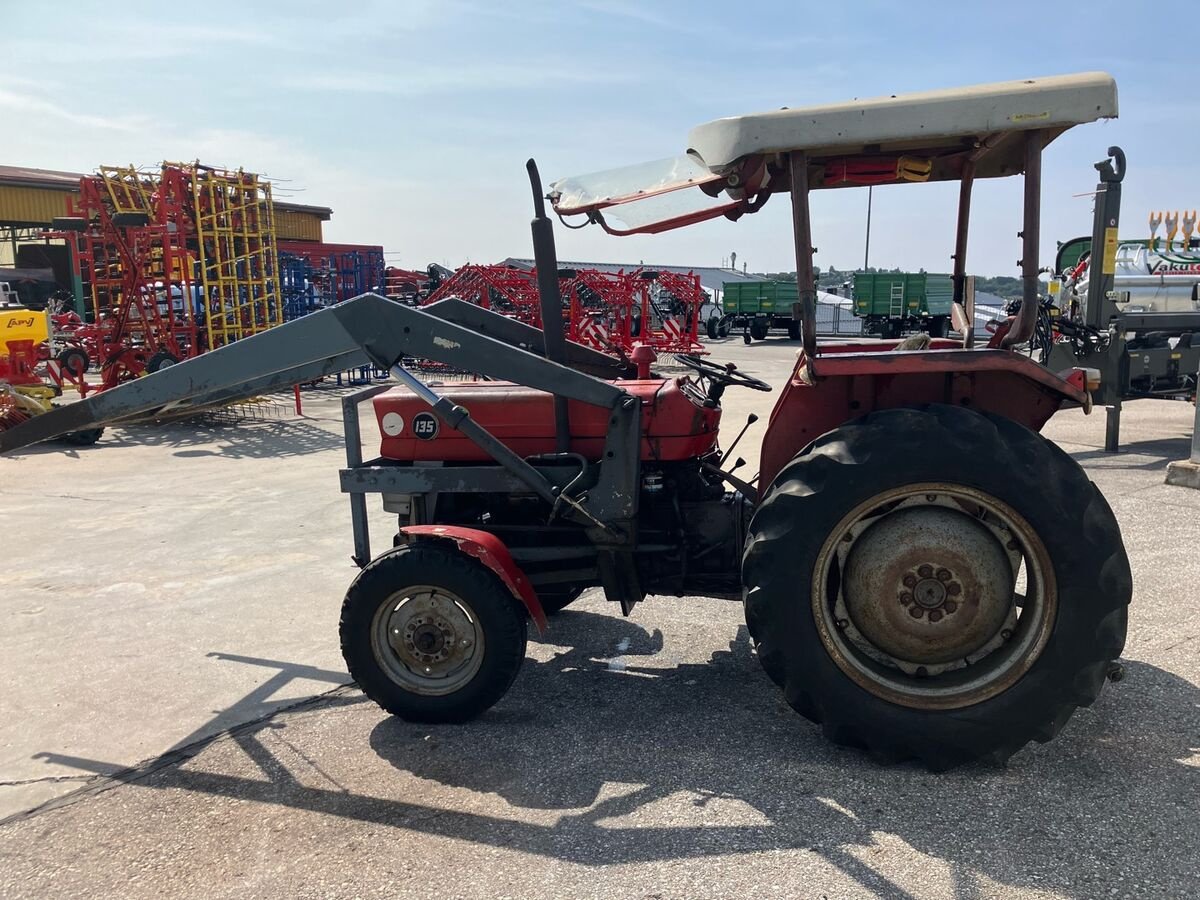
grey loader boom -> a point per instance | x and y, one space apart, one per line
365 330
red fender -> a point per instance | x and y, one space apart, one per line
489 550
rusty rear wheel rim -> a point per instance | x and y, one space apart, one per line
934 596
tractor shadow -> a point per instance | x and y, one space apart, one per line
1076 815
643 761
248 439
266 438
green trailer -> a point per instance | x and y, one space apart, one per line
890 303
757 307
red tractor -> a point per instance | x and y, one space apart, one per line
922 572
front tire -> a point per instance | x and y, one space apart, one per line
965 585
432 635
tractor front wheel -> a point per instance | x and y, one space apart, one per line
432 635
936 584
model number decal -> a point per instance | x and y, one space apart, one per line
425 426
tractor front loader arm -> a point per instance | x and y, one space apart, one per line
366 329
373 329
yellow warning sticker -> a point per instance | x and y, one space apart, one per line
1110 251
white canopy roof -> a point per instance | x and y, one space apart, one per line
907 122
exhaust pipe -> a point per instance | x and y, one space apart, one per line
546 259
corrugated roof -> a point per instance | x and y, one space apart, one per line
711 277
43 178
54 180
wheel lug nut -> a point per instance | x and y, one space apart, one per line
906 598
1006 634
935 615
916 611
910 580
842 623
954 589
925 571
944 575
950 606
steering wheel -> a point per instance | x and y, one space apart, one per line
721 376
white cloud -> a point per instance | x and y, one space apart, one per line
26 104
418 80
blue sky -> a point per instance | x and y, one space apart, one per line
413 119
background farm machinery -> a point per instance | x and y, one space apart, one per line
1130 311
604 310
174 262
24 393
313 275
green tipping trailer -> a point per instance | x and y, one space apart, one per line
890 303
757 307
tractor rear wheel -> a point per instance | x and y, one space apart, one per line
964 585
432 635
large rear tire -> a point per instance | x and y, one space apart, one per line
432 635
936 584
